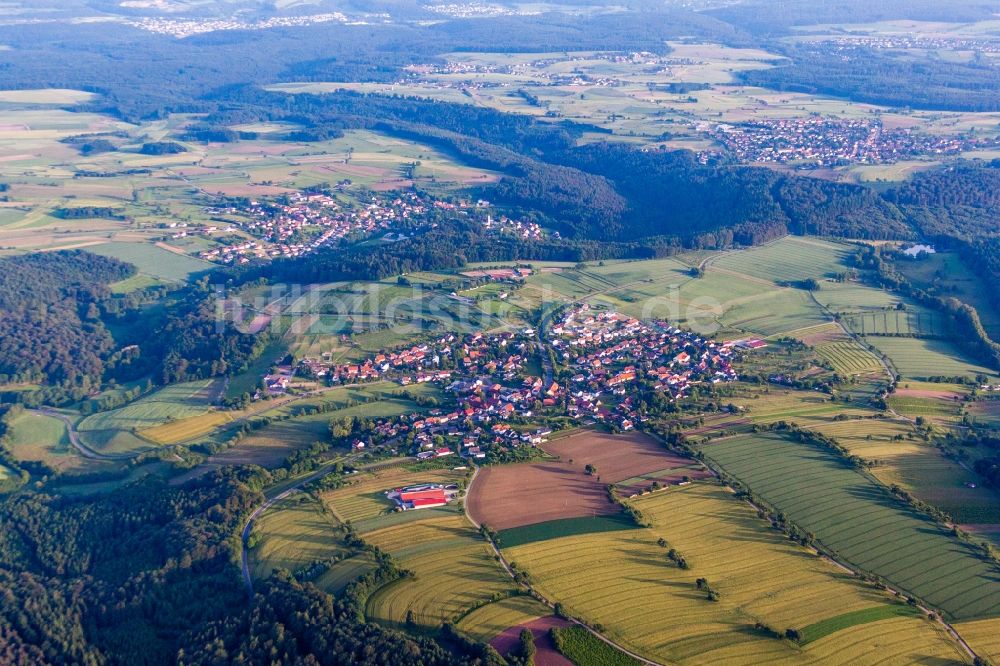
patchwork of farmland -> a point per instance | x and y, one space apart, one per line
917 323
915 358
906 460
118 430
805 408
849 358
606 578
487 622
860 522
509 496
454 570
790 259
296 534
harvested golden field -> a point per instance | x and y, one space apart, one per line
297 532
453 566
624 581
486 623
983 636
185 429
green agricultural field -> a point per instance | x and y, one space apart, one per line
564 527
486 623
116 430
454 571
912 321
624 581
584 649
787 260
846 296
37 437
774 313
858 520
154 261
849 358
824 628
135 283
915 358
906 460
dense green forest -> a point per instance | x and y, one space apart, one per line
148 574
879 77
52 330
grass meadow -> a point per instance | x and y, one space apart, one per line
915 358
153 261
37 437
120 430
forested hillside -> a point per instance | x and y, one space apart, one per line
51 329
147 575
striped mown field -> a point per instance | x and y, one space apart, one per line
453 568
861 522
297 532
485 623
624 581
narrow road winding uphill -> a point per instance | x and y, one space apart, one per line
271 501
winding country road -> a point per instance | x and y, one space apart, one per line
248 525
74 439
287 492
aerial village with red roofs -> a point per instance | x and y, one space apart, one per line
492 395
300 223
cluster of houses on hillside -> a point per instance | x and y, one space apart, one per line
496 393
300 223
181 28
436 361
611 352
912 41
835 141
520 228
474 10
303 222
